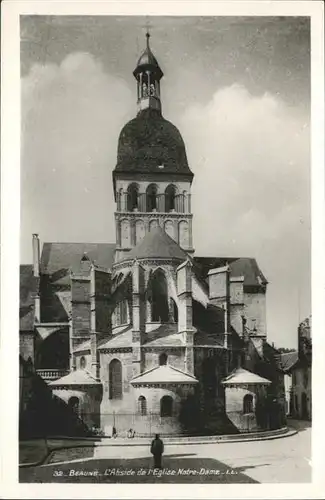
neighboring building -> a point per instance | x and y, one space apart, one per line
288 361
297 367
141 333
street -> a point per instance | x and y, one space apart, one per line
284 460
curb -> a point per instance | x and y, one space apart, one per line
237 438
261 436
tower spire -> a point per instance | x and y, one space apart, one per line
148 75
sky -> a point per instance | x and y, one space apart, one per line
238 89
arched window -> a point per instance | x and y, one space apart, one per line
142 402
163 359
73 403
132 200
151 197
248 404
115 379
159 297
83 362
170 195
166 406
123 312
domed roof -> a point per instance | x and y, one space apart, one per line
149 143
147 61
147 58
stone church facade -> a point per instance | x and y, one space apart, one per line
142 333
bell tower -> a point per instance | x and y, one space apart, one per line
148 75
152 179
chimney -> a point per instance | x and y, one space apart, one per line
219 286
36 272
36 255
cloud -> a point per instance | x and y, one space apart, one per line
251 160
71 117
250 156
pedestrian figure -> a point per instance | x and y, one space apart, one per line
131 433
114 432
157 449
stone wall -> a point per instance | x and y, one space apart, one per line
255 309
26 345
245 422
175 357
301 390
89 398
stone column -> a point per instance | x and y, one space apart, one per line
140 76
132 229
118 232
176 230
149 318
138 316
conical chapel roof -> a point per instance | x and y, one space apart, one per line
157 244
241 376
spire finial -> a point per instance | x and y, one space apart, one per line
147 30
148 36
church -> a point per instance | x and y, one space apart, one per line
142 333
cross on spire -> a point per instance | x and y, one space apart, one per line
147 30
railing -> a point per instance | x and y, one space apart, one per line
51 374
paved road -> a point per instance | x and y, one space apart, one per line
273 461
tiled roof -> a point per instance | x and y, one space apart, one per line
77 377
241 376
59 257
156 335
163 375
148 142
26 307
288 360
162 335
123 339
157 244
239 266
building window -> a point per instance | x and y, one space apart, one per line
163 359
296 403
305 376
166 406
248 404
170 196
132 197
83 362
158 293
142 405
115 379
123 312
151 198
73 403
